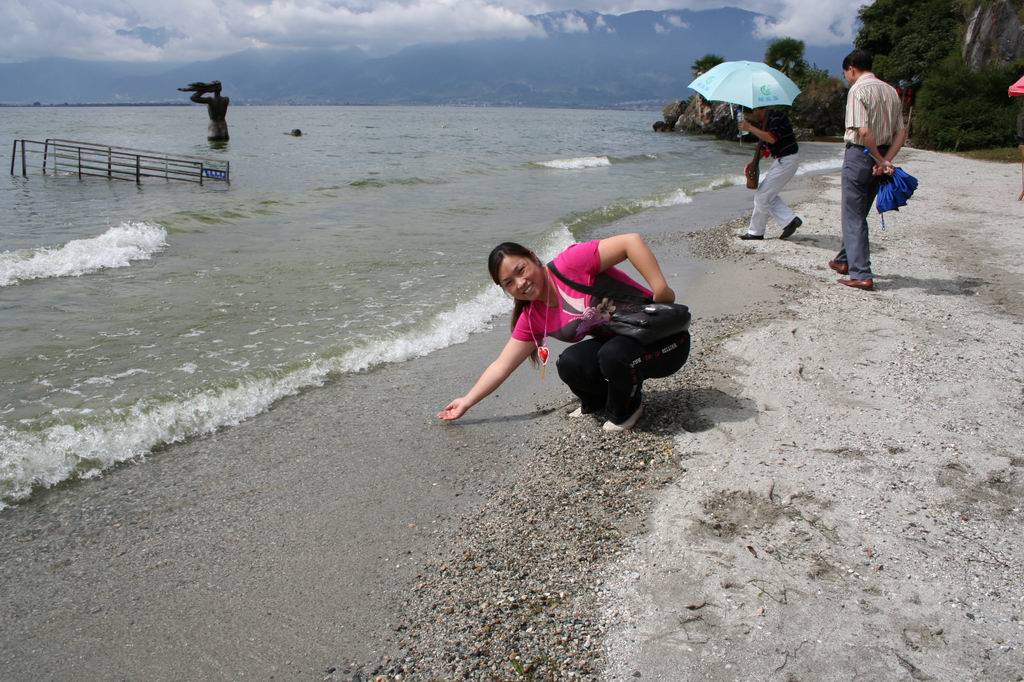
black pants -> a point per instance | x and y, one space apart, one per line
609 374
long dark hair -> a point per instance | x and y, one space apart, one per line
498 254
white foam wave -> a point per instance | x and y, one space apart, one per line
47 457
818 166
720 182
577 163
115 248
676 198
109 379
739 180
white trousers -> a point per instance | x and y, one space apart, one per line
767 200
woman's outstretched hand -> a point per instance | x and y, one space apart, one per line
454 410
665 295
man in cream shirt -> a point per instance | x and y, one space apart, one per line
874 135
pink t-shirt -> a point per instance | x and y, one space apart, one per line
577 313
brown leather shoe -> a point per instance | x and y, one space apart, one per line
865 284
841 268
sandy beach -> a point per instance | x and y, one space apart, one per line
859 514
830 489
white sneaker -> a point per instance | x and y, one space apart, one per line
578 412
626 425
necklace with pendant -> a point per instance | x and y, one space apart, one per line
543 353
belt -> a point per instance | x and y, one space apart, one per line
881 147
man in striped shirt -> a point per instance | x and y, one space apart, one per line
874 135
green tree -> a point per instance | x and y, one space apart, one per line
706 63
908 37
787 55
821 104
961 109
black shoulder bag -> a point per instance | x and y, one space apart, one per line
634 315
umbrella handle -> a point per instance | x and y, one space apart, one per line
867 152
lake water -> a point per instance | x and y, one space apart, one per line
134 316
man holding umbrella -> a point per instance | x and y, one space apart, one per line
775 134
874 135
756 87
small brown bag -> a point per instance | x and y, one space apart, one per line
753 171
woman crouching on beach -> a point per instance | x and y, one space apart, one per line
605 371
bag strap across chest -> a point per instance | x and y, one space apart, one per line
604 286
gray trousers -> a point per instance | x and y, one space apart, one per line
859 190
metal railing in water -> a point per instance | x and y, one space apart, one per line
68 157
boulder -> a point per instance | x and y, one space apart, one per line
994 35
709 118
671 113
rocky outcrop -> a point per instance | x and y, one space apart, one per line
710 118
994 35
818 112
671 113
716 118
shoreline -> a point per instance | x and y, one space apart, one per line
517 590
732 535
285 545
314 543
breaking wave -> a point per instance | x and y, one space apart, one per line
43 457
576 163
115 248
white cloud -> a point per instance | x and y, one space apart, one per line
831 22
184 30
201 29
572 23
319 23
194 29
671 21
826 22
601 25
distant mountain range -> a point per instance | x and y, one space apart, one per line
587 59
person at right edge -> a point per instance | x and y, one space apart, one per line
776 137
874 135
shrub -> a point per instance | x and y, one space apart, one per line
962 109
908 37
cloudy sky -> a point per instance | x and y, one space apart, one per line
187 30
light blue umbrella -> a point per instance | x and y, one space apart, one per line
750 84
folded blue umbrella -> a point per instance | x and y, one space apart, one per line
894 191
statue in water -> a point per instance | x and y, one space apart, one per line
216 107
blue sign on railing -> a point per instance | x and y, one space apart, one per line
215 174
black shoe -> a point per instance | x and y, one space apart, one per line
788 230
747 235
